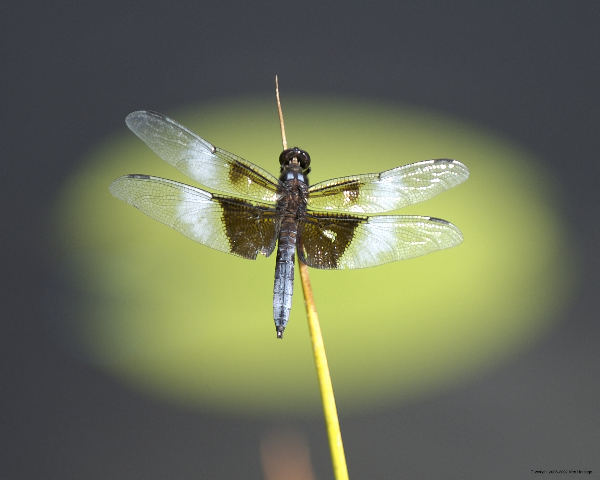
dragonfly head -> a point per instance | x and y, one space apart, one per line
295 155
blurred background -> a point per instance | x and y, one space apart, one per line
528 72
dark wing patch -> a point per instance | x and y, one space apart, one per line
324 238
389 190
336 241
231 225
250 227
200 160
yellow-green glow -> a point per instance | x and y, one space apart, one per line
194 326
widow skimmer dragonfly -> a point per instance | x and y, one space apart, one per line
266 209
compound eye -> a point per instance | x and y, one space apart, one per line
286 156
304 159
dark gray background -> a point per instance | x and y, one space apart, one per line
71 72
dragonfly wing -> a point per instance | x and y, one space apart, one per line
336 241
228 224
389 190
200 160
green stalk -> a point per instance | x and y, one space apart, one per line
338 458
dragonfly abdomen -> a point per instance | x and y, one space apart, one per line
284 274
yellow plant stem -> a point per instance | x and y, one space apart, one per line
338 459
336 446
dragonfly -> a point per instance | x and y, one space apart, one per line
329 225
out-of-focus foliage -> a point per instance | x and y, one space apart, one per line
194 326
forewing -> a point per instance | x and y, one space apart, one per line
389 190
336 241
227 224
200 160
